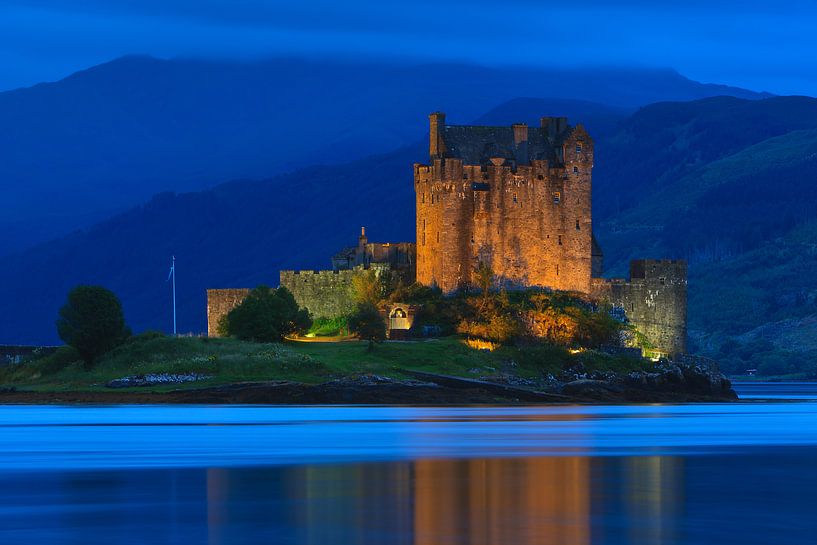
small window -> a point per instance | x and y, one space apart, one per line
557 270
575 170
438 236
557 197
423 198
578 227
540 177
578 148
662 280
515 199
560 240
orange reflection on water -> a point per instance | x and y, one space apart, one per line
504 501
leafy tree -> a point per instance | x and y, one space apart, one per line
368 324
367 287
92 322
266 315
485 280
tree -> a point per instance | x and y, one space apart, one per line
368 324
367 287
266 315
92 322
485 280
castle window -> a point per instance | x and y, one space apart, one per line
540 177
578 148
560 240
515 199
557 197
578 227
557 270
662 280
423 198
575 170
438 236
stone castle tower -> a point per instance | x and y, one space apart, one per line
515 198
519 199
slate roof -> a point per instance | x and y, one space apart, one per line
476 145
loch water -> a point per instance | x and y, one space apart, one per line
742 473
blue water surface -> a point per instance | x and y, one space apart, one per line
696 473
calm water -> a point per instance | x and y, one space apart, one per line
664 474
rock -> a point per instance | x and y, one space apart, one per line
155 379
593 389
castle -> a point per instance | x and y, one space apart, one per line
518 199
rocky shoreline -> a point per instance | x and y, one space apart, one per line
688 380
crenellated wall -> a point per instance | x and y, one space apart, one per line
654 300
326 294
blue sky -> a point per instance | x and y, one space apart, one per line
761 45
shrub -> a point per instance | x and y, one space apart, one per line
329 327
266 315
92 322
368 324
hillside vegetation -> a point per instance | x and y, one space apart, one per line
228 361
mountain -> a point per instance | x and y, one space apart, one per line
726 183
75 151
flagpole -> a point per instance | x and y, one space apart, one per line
173 271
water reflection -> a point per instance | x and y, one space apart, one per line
540 500
533 500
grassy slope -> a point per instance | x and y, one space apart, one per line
229 361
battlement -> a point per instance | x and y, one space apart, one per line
517 144
654 300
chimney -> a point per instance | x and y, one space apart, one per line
520 142
436 133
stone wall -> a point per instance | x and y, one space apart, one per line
531 223
219 303
326 294
654 300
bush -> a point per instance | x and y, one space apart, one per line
368 324
266 315
329 327
92 322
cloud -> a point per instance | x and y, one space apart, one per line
748 43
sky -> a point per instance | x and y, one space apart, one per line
765 46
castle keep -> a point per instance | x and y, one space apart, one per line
514 198
517 199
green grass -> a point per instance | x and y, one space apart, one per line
229 361
329 327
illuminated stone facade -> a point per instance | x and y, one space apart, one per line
519 200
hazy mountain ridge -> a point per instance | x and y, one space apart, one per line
109 137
